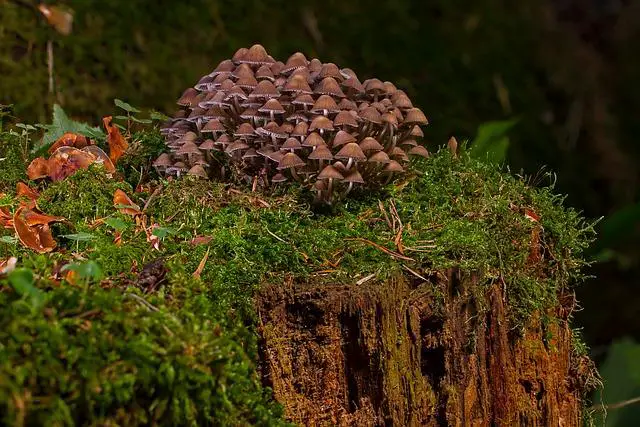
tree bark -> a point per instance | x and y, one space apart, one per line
412 353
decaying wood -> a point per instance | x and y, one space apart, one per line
411 353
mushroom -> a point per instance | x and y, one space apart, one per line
291 161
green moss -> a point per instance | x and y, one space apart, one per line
12 161
455 213
100 356
84 196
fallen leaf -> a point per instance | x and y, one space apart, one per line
101 157
117 144
117 239
201 240
125 204
24 190
32 237
67 160
38 168
36 218
70 139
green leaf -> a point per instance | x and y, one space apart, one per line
116 223
491 143
163 232
135 119
80 237
121 117
156 115
621 376
23 282
25 126
89 270
60 125
125 106
10 240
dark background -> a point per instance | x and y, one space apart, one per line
568 70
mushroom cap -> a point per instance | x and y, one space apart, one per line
371 114
245 130
379 157
297 84
272 106
330 172
345 119
313 140
278 178
329 69
370 144
188 97
415 116
419 150
329 86
264 89
242 70
322 152
162 161
408 142
351 151
295 61
255 55
325 103
300 129
393 166
354 176
213 126
207 145
303 99
235 146
417 132
322 123
342 138
188 147
291 144
290 160
198 170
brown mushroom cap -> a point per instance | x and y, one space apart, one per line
329 86
351 151
325 103
379 157
313 140
255 55
290 160
415 116
295 61
345 119
321 153
198 171
354 176
330 172
321 123
393 166
342 138
419 150
370 144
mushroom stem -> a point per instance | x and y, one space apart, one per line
349 163
348 189
294 174
329 190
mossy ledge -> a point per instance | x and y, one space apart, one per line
469 321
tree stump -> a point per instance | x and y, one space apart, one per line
416 351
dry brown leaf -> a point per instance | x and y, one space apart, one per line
101 157
36 218
31 236
46 238
38 168
70 140
203 262
67 160
125 204
117 144
24 190
201 240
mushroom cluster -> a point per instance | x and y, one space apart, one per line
266 122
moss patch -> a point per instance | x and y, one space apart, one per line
455 212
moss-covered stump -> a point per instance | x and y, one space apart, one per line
380 353
443 299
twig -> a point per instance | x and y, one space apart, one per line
50 64
414 273
154 194
275 236
616 405
382 248
384 212
365 279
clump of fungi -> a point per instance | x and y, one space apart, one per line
267 122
